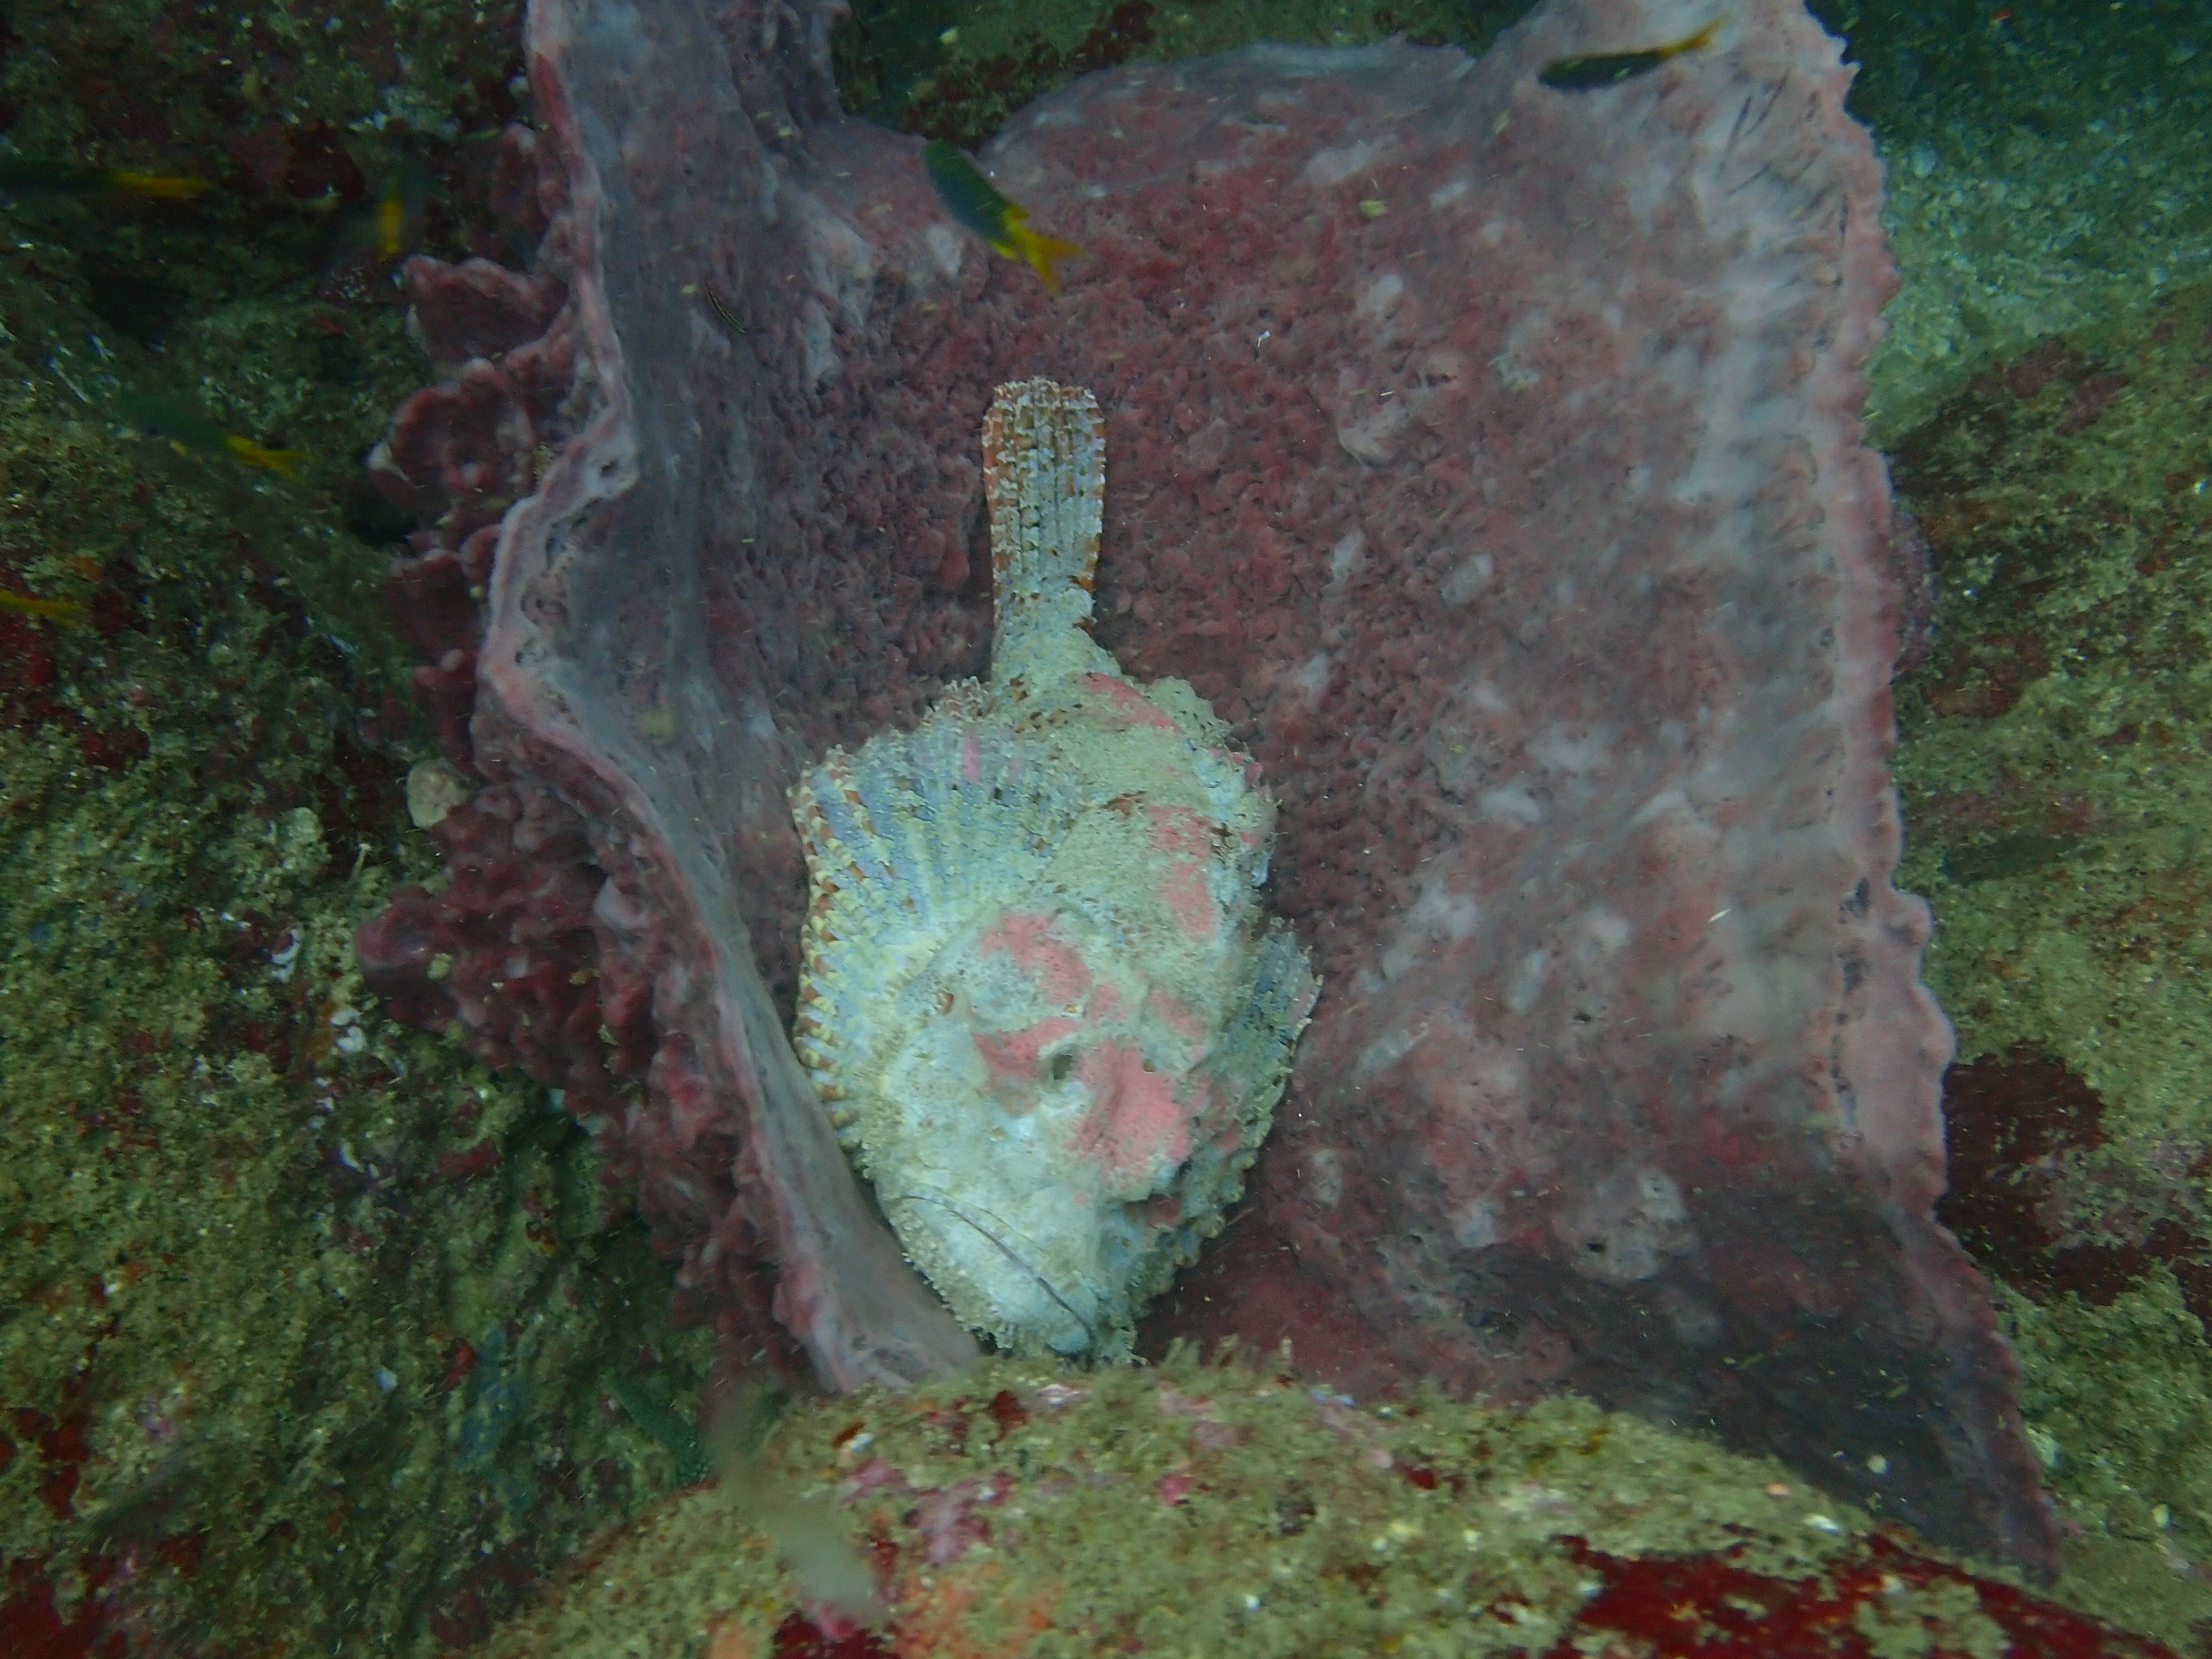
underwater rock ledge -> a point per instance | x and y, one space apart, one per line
1230 1508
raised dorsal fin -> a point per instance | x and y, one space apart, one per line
1044 475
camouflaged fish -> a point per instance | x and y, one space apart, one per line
1041 997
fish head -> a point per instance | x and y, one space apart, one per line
1032 1122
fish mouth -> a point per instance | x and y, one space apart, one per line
998 1238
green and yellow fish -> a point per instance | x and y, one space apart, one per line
973 200
1607 69
189 431
68 612
21 176
395 217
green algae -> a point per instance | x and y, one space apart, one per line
193 78
2057 795
1205 1509
2121 1399
2046 183
315 1331
262 1351
2044 170
2053 757
956 69
2053 761
276 365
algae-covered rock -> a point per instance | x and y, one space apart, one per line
1235 1508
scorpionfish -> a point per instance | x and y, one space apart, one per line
1041 998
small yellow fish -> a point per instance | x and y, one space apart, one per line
394 218
189 431
68 612
388 228
1609 68
21 176
973 200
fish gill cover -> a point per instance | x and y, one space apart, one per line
1487 456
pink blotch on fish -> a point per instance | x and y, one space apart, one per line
1135 1125
1016 1057
1187 838
1027 938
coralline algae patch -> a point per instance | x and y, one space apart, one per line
1236 1509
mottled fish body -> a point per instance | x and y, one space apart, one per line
1041 996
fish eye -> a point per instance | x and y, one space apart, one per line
1060 1067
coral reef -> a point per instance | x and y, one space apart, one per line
282 100
315 1334
1622 1081
2046 172
957 72
278 1269
2053 762
198 1436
